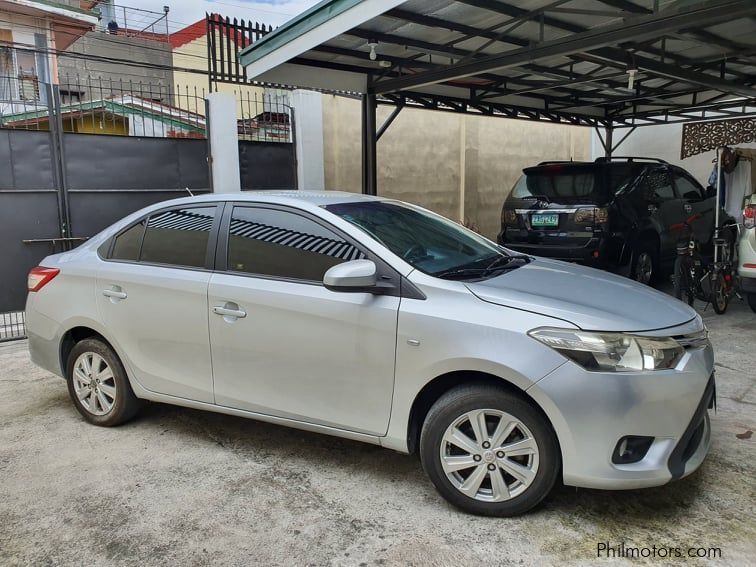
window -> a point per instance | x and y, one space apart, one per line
7 79
282 244
687 189
127 244
178 237
28 79
659 186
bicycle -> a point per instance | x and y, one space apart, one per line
707 278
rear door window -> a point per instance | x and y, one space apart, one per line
128 243
688 189
284 244
178 237
658 186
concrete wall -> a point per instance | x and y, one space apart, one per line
156 83
462 167
662 141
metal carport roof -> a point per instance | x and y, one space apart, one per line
610 63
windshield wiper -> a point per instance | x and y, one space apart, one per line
499 263
543 198
503 261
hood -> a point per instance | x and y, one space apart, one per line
586 297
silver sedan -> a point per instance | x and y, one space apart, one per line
379 321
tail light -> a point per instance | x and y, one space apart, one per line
594 215
39 277
749 216
510 218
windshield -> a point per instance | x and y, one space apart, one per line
573 183
429 242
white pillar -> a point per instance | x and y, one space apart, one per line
223 143
308 133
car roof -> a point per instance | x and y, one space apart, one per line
280 197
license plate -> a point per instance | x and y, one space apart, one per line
544 220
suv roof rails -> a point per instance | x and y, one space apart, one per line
630 158
557 161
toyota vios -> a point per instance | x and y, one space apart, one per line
379 321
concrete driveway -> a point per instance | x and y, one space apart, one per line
178 486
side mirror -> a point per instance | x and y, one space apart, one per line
711 191
354 276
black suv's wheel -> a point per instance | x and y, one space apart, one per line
645 263
751 301
489 452
98 385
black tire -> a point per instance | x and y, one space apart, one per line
751 297
645 257
124 403
454 404
718 299
681 277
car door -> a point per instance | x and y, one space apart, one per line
696 206
665 209
284 345
152 297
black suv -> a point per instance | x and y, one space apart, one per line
624 214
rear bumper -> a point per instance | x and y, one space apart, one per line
44 340
593 252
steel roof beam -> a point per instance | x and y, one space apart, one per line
638 29
618 58
514 11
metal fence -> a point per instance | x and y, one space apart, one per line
12 326
224 38
129 108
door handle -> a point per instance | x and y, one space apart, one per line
114 294
229 311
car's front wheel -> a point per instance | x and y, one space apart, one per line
98 385
489 452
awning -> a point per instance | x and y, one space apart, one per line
593 62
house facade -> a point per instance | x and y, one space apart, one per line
191 74
31 34
128 52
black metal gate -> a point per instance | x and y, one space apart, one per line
58 188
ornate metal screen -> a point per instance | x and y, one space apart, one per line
699 137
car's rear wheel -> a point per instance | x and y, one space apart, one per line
645 264
98 385
489 452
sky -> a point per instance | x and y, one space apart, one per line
185 12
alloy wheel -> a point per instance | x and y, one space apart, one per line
489 455
94 383
644 269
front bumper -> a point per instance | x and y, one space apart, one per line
592 411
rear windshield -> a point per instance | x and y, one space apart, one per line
574 183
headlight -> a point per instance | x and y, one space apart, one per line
613 352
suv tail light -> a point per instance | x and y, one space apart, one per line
39 277
749 216
595 215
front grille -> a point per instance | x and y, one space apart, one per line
699 339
